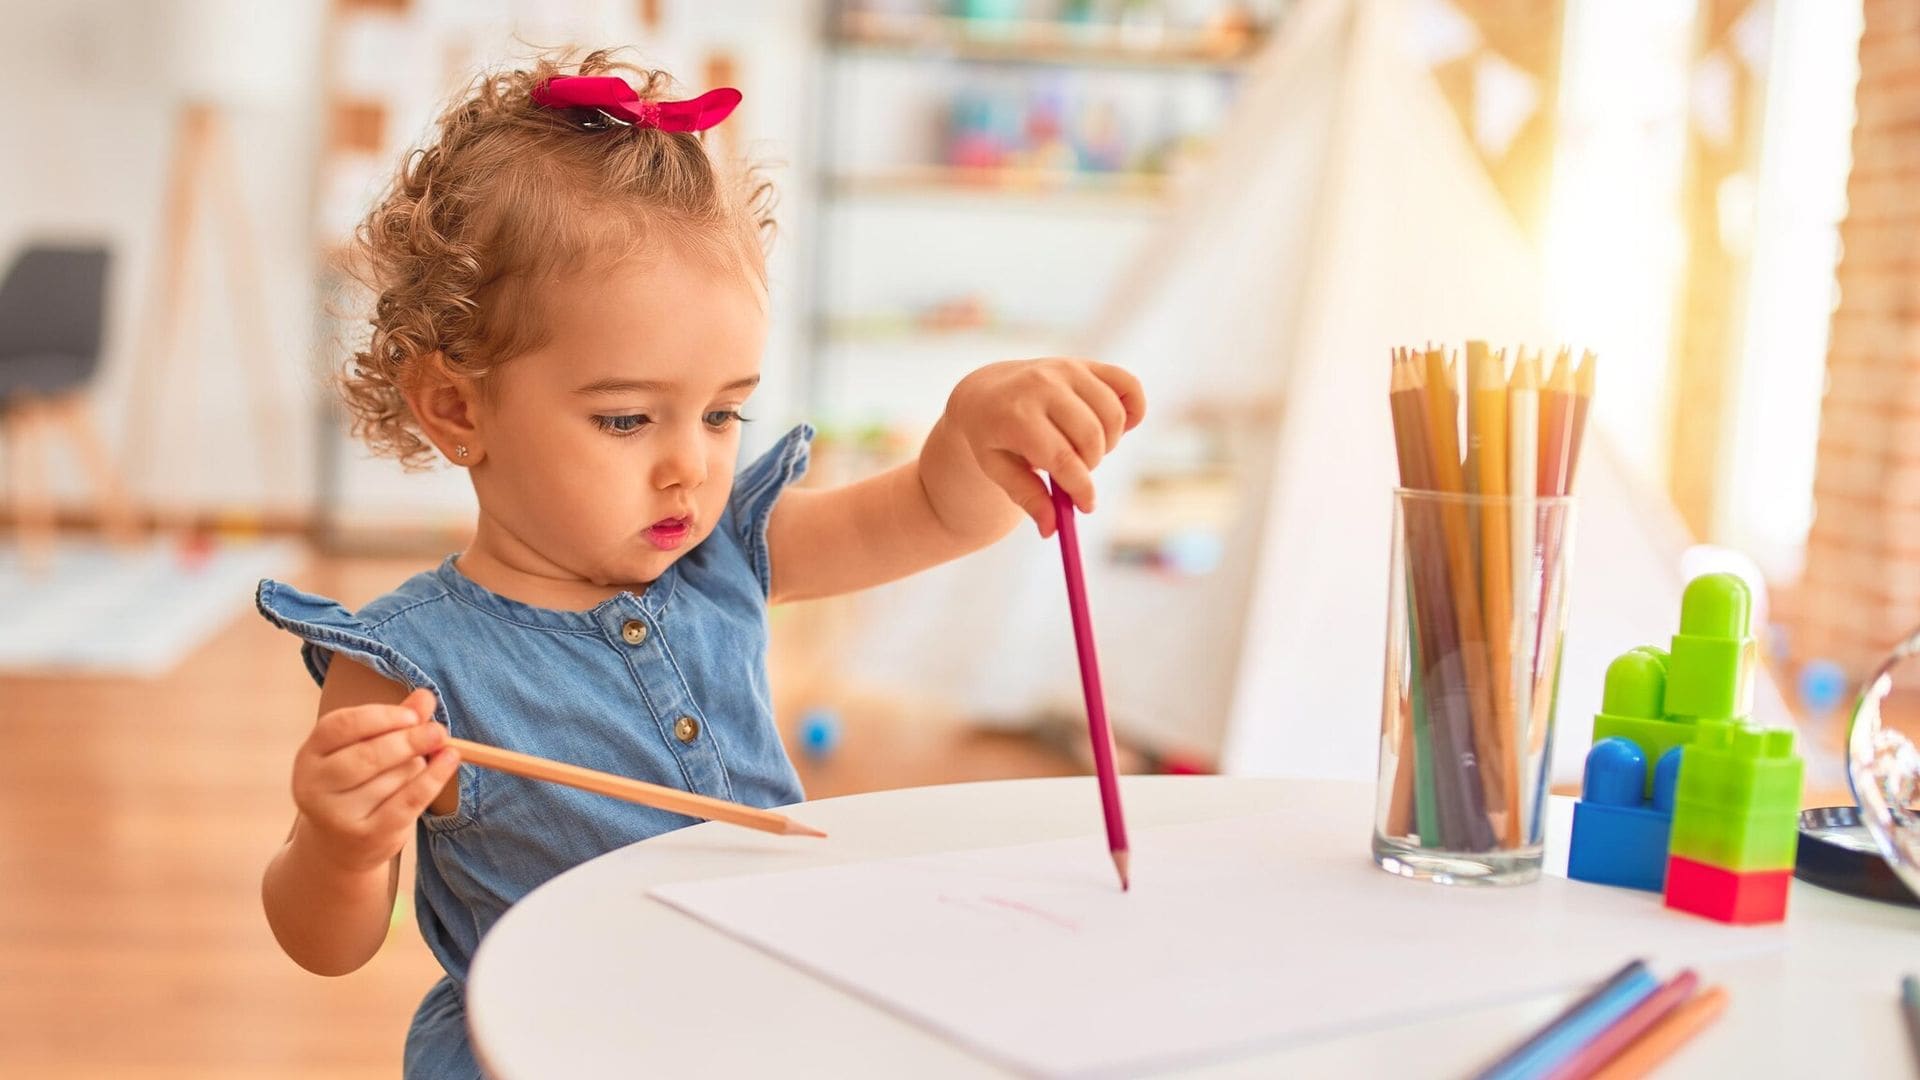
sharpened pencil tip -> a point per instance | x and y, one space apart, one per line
794 828
1120 860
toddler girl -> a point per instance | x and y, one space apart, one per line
571 305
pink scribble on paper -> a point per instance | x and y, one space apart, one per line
1028 909
1017 907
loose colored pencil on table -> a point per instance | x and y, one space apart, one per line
634 791
1097 728
1629 984
1588 1060
1910 1010
1668 1036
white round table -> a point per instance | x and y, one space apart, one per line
589 976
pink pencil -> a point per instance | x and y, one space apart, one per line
1097 727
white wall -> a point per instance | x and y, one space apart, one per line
86 141
85 146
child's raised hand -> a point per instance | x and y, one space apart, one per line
366 772
1059 416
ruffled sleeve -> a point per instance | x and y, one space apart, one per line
325 628
757 487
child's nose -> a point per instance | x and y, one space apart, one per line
684 463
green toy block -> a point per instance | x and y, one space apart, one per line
1632 707
1741 770
1710 673
1717 606
1743 843
1637 684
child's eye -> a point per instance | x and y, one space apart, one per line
621 425
720 418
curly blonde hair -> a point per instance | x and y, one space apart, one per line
507 194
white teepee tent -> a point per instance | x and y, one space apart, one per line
1345 213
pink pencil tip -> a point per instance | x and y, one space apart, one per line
1120 861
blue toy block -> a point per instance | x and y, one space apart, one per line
1620 838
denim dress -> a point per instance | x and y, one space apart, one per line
669 687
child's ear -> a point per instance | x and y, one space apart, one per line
446 404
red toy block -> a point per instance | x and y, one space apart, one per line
1730 897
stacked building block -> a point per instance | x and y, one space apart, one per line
1736 824
1720 809
1620 835
1634 707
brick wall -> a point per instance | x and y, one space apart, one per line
1861 591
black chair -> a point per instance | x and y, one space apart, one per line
52 320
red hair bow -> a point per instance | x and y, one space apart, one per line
619 103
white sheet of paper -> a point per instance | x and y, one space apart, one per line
1240 934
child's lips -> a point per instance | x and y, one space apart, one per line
668 533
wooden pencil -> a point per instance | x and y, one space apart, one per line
635 791
1630 973
1487 391
1557 401
1402 807
1462 602
1436 818
1583 381
1523 409
1910 1012
1583 1063
1556 427
1470 474
1446 723
1656 1046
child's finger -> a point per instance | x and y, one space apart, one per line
1076 420
342 728
1070 474
1021 485
1133 397
362 801
1104 402
422 702
351 766
408 803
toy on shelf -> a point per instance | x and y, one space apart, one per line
1714 824
819 733
1823 686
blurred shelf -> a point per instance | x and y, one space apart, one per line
1046 42
1134 190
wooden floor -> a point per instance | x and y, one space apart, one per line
136 816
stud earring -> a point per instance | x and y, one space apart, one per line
460 451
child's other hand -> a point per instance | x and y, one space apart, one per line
366 773
1059 416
